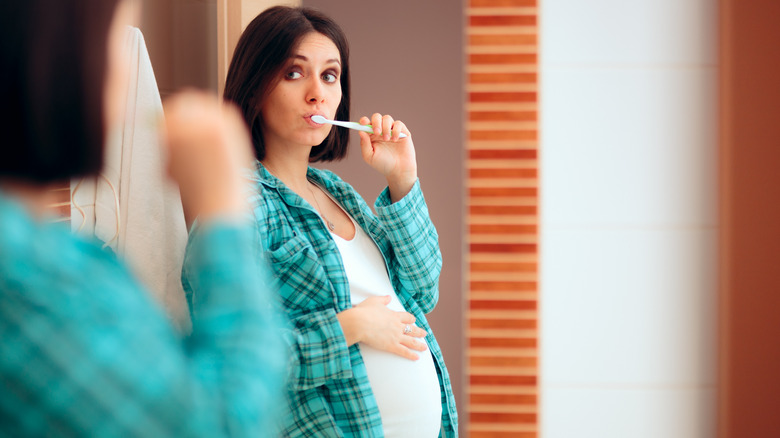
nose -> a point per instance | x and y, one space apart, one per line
315 92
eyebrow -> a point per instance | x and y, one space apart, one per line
306 59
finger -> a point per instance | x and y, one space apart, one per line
364 121
387 126
382 300
404 352
417 332
376 124
414 331
398 128
413 344
407 318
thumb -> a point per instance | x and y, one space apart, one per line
386 299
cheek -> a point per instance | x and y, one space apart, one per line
336 97
274 109
276 99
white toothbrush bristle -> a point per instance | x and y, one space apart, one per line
318 119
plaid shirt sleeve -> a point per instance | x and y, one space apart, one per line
86 352
415 244
319 352
316 353
236 350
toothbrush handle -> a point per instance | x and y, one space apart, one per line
356 126
371 131
359 127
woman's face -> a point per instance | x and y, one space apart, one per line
310 85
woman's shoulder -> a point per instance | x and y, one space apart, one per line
38 258
42 242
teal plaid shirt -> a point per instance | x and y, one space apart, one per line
330 395
85 351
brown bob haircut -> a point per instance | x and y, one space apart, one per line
263 50
53 57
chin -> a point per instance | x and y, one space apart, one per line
316 140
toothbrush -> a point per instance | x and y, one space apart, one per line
351 125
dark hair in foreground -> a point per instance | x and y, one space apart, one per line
53 62
263 50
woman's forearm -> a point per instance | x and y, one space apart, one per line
350 325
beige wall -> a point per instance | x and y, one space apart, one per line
232 18
181 38
250 8
191 42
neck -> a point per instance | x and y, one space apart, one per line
289 165
35 197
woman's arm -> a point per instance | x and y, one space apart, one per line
86 351
415 245
402 209
315 339
235 350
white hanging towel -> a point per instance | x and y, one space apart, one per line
132 205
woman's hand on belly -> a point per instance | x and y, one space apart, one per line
373 324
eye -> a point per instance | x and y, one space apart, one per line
330 77
294 74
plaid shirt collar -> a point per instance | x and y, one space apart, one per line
342 192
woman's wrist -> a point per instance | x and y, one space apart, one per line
401 186
350 324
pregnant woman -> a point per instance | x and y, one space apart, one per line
355 283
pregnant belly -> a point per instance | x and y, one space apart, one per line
406 391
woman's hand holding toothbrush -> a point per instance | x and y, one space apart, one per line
390 155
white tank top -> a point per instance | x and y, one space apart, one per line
406 391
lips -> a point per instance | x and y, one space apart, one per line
311 122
